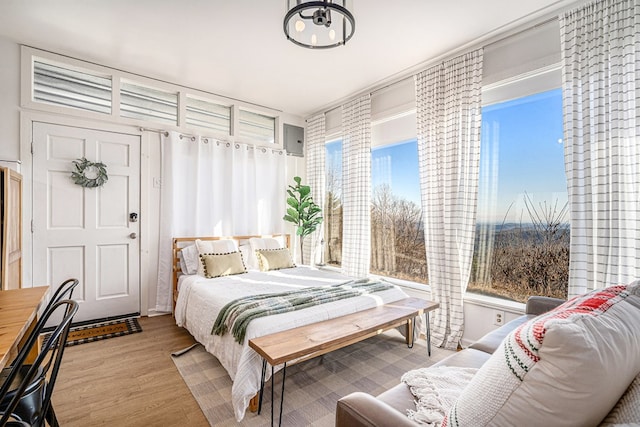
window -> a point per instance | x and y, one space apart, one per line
146 103
209 115
522 234
397 233
333 204
75 88
257 127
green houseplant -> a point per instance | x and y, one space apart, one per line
302 211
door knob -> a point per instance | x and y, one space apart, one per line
133 235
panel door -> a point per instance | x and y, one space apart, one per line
87 233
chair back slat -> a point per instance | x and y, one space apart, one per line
47 363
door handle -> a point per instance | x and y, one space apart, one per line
133 235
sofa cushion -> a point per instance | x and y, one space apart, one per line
400 397
491 341
627 410
566 367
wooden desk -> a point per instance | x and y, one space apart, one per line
18 312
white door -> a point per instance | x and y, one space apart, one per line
87 233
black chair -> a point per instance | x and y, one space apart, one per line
61 293
26 390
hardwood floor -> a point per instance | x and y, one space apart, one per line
127 381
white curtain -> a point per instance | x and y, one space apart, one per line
215 188
315 158
356 188
601 90
448 124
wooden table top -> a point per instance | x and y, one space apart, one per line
18 310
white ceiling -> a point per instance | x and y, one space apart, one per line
237 48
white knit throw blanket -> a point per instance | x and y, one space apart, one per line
436 389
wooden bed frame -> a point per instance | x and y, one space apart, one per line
181 242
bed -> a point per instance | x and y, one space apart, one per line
199 299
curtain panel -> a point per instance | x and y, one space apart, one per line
601 95
316 174
215 188
356 188
448 124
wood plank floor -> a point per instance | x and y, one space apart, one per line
127 381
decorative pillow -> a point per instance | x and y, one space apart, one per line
189 259
274 259
256 243
248 256
627 410
223 246
566 367
216 265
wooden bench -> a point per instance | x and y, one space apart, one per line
309 341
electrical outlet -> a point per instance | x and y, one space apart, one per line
498 317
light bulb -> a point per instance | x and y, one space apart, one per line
299 26
314 39
332 34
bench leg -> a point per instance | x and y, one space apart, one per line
284 374
428 330
264 371
409 332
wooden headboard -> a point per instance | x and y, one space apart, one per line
182 242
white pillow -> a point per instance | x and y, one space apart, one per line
223 246
247 256
190 259
256 243
567 367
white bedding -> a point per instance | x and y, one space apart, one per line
200 300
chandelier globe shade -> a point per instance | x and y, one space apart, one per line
319 24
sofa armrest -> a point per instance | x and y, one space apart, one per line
538 304
361 409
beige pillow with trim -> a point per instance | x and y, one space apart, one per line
222 246
216 265
274 259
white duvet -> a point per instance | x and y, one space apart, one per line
200 300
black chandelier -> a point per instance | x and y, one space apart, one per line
333 25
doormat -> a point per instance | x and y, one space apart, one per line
100 331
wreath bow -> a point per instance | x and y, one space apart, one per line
98 173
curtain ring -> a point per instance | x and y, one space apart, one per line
228 144
237 146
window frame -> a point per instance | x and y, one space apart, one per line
523 85
28 55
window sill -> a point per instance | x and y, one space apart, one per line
469 297
494 302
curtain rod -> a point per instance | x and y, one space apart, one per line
163 132
207 139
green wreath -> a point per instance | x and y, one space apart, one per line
89 174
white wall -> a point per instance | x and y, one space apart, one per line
15 138
9 100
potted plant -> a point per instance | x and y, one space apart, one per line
302 211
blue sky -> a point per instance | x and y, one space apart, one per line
522 152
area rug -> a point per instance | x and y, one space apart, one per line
100 331
313 387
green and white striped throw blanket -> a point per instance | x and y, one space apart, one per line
237 314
